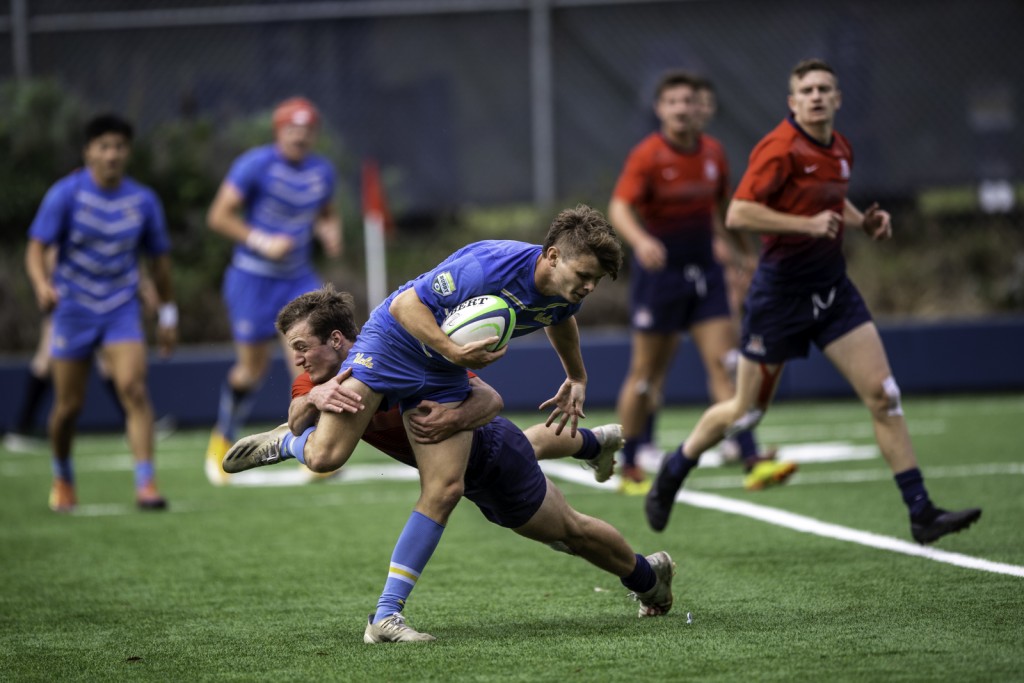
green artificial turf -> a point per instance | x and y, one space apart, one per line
274 583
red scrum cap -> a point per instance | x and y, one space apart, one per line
297 111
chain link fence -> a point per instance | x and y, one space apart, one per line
445 91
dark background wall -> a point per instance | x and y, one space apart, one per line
927 359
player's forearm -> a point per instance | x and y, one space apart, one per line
35 265
852 217
626 224
739 242
302 414
162 280
225 214
755 217
328 230
565 339
418 321
483 405
228 223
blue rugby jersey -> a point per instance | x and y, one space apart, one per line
281 197
502 267
99 234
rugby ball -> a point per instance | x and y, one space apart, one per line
479 318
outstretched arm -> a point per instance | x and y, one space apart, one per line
568 402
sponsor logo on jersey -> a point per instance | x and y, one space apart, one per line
444 283
844 169
363 359
810 169
755 345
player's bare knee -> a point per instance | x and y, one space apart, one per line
443 498
320 459
133 396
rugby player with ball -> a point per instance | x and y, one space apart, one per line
503 478
403 356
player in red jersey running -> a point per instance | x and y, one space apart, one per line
667 204
794 194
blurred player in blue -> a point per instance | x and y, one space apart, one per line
668 205
402 356
274 201
100 220
794 194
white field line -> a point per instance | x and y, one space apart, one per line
338 497
801 523
26 464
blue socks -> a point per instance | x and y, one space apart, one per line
590 447
292 446
62 469
143 474
642 579
915 495
412 552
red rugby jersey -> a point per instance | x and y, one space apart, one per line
676 192
791 172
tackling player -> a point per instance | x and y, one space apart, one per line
502 475
794 194
273 202
403 356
